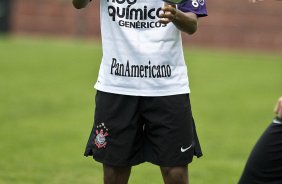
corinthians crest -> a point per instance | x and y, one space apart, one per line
101 133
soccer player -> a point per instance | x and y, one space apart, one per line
264 164
143 111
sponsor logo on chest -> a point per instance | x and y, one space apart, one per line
143 71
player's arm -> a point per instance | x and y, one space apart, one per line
184 21
80 3
278 108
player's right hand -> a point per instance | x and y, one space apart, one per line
169 13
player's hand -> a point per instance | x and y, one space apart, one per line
169 13
278 108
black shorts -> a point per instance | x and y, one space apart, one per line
129 130
264 165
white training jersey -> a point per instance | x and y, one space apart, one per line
141 57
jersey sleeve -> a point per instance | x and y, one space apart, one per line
195 6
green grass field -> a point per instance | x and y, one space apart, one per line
46 98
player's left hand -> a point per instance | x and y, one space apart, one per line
169 13
278 108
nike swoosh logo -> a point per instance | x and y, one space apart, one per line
185 149
276 121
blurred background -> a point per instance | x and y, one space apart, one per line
49 60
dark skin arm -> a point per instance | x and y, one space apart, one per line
78 4
186 22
